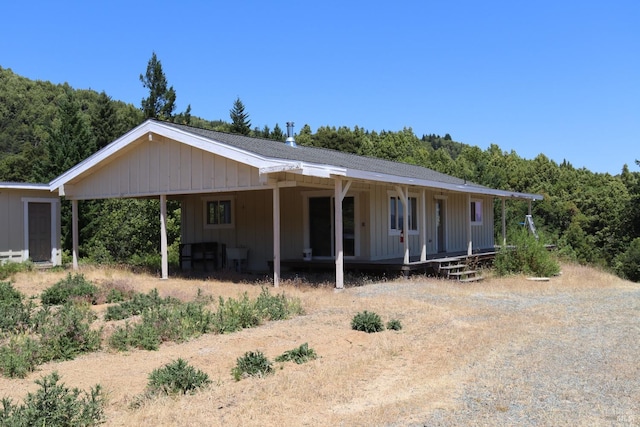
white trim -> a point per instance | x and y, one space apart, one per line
399 197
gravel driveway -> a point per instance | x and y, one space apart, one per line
575 362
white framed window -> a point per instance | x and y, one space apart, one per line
396 214
219 212
476 212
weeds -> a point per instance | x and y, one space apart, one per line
137 305
14 312
177 377
298 355
252 364
54 404
367 321
74 287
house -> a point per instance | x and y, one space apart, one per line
267 201
29 223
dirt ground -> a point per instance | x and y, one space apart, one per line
505 351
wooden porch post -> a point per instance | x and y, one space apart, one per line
504 223
276 236
470 244
74 233
338 196
163 236
404 196
529 206
423 226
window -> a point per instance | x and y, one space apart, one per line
476 212
218 213
396 214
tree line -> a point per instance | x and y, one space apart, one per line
45 128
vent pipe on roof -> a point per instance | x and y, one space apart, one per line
291 142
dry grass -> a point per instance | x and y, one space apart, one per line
467 354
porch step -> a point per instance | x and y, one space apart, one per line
471 279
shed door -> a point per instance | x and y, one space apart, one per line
40 232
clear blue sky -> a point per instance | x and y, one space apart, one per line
556 77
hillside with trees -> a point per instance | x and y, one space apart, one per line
46 128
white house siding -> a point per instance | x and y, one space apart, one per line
163 166
13 227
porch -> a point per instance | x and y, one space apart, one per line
436 264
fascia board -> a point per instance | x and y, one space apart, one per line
463 188
23 186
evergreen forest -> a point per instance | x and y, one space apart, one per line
45 128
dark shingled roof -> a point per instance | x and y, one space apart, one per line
278 150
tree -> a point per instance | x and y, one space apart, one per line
105 122
240 122
160 103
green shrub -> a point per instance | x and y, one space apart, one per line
233 315
19 356
298 355
15 314
143 336
394 325
528 256
8 269
367 321
177 377
137 305
66 332
54 404
72 287
252 364
628 263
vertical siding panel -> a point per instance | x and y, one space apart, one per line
134 171
155 166
197 162
232 174
186 167
244 175
220 172
175 165
208 171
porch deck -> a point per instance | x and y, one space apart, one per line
389 266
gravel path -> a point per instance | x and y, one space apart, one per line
575 363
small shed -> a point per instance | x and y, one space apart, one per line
29 224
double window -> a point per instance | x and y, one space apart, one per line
218 213
396 214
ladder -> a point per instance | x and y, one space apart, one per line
528 221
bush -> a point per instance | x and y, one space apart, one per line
252 364
233 315
19 356
298 355
628 263
367 321
177 377
66 332
8 269
55 405
137 305
15 314
72 287
394 325
529 256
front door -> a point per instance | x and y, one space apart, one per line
39 231
322 226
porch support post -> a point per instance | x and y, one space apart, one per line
404 196
339 192
163 236
470 244
504 223
276 236
74 233
423 226
529 206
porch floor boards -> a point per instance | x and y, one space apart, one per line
397 265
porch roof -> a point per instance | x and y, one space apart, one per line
271 156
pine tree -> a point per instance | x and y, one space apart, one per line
104 122
240 122
161 101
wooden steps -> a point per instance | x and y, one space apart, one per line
457 269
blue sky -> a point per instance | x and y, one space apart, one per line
560 78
